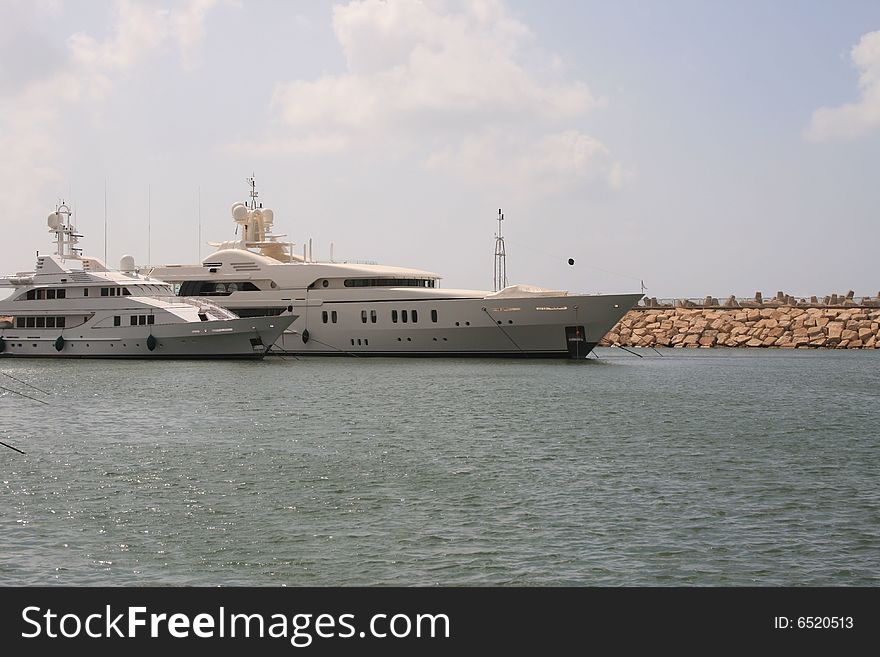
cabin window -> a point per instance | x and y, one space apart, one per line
394 316
126 292
31 295
142 320
373 317
50 294
325 283
363 317
415 316
324 316
59 322
50 322
403 315
85 291
134 320
31 322
434 316
105 292
389 282
333 316
151 319
41 294
117 320
19 322
203 317
41 322
62 294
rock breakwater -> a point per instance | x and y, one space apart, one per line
788 327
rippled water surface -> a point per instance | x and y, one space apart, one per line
700 467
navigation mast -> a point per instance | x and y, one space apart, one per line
500 279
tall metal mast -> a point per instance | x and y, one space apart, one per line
500 279
254 193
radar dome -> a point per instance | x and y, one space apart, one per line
268 216
239 212
55 221
126 263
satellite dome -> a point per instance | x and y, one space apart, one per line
55 221
239 212
268 215
126 263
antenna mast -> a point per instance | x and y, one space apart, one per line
254 193
500 279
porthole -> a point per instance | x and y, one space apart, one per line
457 324
398 339
409 339
325 283
467 323
510 321
499 321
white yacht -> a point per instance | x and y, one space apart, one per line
379 310
72 306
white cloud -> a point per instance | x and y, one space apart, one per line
854 119
546 165
31 112
454 76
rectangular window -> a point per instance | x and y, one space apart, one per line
85 291
41 294
333 316
134 320
59 322
434 316
324 316
41 322
415 315
363 316
203 317
105 292
151 319
62 294
403 316
373 317
117 320
31 322
50 294
394 316
19 322
31 295
50 322
125 292
366 342
142 320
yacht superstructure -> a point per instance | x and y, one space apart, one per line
73 306
380 310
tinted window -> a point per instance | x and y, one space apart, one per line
364 316
373 316
415 315
324 316
333 316
394 316
403 316
62 294
433 315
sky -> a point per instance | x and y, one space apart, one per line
700 147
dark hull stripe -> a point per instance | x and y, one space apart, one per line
438 354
